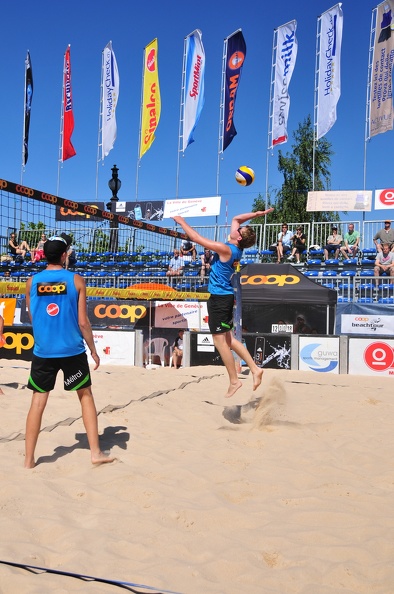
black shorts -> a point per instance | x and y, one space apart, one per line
44 371
220 313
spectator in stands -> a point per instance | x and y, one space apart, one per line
177 352
334 242
206 261
188 250
284 242
15 248
384 263
71 256
352 243
385 235
176 265
38 253
298 240
301 327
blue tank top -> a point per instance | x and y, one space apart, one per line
221 272
54 310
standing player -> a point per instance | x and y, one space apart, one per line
221 302
56 300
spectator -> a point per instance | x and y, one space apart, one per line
385 235
38 253
71 257
352 241
384 263
176 265
15 248
298 241
284 242
301 327
334 242
177 352
188 250
206 261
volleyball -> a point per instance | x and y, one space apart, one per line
244 175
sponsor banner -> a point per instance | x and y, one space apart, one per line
192 207
7 310
381 94
193 99
339 200
18 344
68 150
329 73
235 57
89 214
28 102
367 324
205 343
139 211
113 348
269 351
181 314
151 102
384 199
110 95
318 354
120 313
286 55
371 357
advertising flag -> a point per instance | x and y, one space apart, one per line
193 99
151 102
329 75
27 106
381 95
110 94
235 57
68 150
286 55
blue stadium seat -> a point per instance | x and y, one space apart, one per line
365 300
330 273
311 273
366 273
386 300
348 273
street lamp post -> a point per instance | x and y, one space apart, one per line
114 185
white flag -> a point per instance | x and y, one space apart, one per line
110 90
193 100
329 75
286 55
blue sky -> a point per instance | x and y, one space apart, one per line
46 28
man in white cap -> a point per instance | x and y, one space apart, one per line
385 235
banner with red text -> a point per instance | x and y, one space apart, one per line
286 55
151 102
68 150
235 57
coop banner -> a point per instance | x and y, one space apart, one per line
181 314
66 213
338 200
192 207
116 314
362 323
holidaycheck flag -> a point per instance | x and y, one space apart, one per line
235 57
329 74
27 108
193 98
68 150
110 94
151 103
286 55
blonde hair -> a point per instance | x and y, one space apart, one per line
248 237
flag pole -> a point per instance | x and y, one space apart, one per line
140 128
316 99
221 115
100 125
61 137
181 117
271 111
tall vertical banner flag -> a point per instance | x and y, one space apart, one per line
110 95
68 150
151 102
286 55
329 75
235 57
193 99
27 107
381 94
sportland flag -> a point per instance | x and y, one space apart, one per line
235 57
151 103
110 94
329 74
193 98
68 150
381 94
286 55
27 108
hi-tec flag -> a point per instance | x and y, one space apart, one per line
381 93
286 55
151 103
193 99
110 94
329 74
68 150
27 107
235 57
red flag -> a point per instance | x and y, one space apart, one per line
68 115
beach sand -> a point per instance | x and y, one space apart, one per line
286 490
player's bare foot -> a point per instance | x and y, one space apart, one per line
233 388
257 377
1 392
30 464
102 458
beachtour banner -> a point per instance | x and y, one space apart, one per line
235 57
286 55
362 323
151 101
110 95
329 72
192 207
193 93
384 199
339 200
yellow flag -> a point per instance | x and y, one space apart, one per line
151 103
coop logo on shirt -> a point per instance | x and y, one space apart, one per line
55 288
